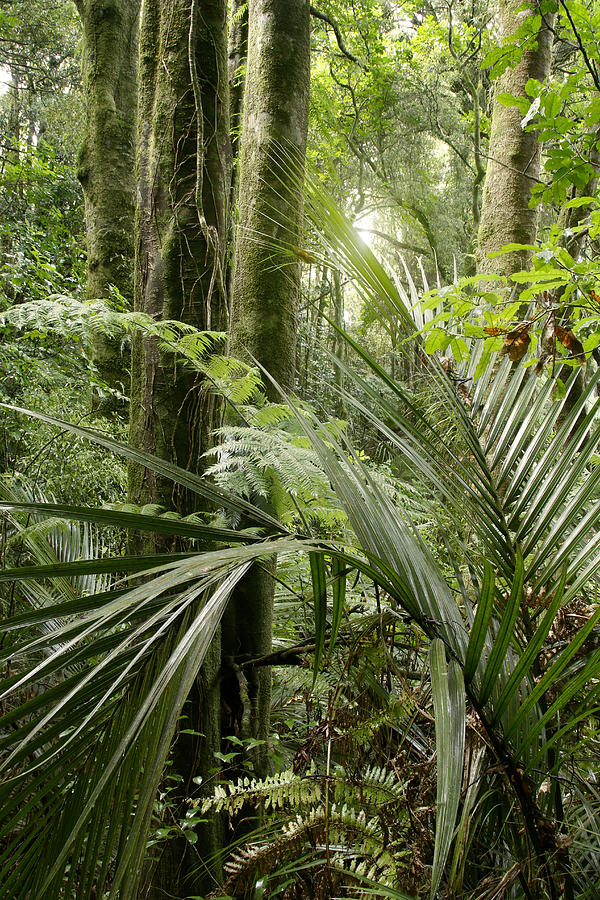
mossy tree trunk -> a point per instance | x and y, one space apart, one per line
266 282
237 56
514 154
183 184
106 163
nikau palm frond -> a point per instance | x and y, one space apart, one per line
520 488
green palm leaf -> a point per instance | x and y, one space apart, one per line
449 708
504 636
479 631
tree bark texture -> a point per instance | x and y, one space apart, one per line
106 162
514 163
266 282
266 286
236 64
183 183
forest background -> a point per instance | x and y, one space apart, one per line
300 599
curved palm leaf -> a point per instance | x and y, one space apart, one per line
520 489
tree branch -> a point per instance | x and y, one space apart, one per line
338 36
590 65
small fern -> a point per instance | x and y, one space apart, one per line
358 835
355 845
274 792
378 788
81 321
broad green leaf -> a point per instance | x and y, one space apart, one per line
448 692
116 565
480 627
194 483
138 521
505 634
506 99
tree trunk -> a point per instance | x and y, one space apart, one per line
236 65
266 285
339 344
183 184
182 190
106 163
266 282
514 163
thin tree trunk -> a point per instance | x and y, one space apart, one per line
515 154
314 322
106 163
14 119
266 284
339 345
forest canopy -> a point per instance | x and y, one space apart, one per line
299 449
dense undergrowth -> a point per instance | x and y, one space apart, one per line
435 650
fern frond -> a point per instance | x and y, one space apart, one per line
275 792
235 380
378 787
358 848
76 320
273 461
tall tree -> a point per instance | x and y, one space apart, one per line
106 167
183 184
266 283
182 193
514 153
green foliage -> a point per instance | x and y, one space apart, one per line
485 311
356 826
517 495
276 792
392 118
475 544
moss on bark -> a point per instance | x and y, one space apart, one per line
183 185
266 284
106 160
180 249
514 163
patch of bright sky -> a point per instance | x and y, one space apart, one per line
364 224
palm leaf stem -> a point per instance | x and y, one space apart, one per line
532 818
